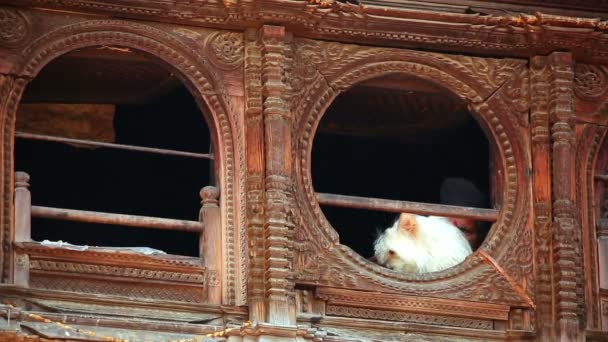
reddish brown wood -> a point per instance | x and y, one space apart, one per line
116 219
254 132
114 146
266 244
210 246
407 207
23 207
23 227
541 166
567 252
278 228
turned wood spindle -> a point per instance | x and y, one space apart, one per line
210 243
23 207
23 220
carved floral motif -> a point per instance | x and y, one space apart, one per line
14 28
590 81
225 49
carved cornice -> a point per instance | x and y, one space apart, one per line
507 35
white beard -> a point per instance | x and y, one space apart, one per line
431 244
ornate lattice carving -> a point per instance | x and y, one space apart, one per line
14 27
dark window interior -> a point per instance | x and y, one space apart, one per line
394 138
152 109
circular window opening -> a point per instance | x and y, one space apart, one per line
405 139
113 96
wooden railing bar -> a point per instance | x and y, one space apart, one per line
163 151
602 177
405 206
116 219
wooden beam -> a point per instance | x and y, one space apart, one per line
116 219
408 207
114 146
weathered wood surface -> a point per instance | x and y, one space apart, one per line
116 219
540 274
405 206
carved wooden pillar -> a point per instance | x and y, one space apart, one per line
278 225
254 135
541 166
210 246
566 249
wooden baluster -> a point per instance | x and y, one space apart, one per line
210 245
23 226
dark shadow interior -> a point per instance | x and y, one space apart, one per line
116 181
393 138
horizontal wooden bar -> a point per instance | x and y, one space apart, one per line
116 219
162 151
406 207
602 177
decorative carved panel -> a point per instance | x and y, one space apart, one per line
487 85
189 58
118 274
14 27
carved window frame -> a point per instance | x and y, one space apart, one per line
501 271
592 187
200 69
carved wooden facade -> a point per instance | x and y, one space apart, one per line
266 72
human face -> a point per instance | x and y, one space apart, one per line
468 227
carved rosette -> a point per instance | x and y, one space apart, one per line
338 67
590 81
14 27
225 49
